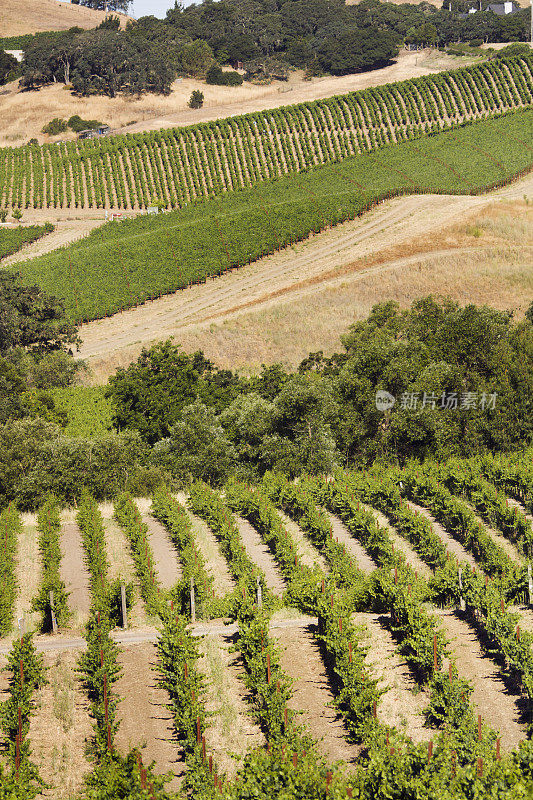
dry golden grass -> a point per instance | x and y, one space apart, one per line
60 727
498 272
18 17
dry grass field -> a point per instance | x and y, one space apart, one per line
474 249
25 113
18 17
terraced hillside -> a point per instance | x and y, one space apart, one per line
173 168
356 641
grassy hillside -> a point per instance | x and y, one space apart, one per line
124 264
32 16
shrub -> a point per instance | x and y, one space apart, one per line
77 124
196 99
217 77
17 214
55 126
475 43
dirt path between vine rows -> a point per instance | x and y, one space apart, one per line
61 727
402 703
452 545
498 707
307 552
74 572
166 559
231 731
352 545
356 249
121 564
206 542
301 660
520 507
259 553
143 715
411 557
498 538
28 569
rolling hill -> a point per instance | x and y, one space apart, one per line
18 17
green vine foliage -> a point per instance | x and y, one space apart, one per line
49 525
26 675
10 528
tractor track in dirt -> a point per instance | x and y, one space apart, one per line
323 259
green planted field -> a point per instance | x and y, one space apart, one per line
13 239
174 167
124 264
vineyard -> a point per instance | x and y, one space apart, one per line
380 625
13 239
175 167
121 265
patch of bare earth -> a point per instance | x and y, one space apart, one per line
61 727
402 250
307 552
259 553
207 544
28 568
352 545
168 566
312 695
498 707
452 545
74 572
231 732
402 703
411 557
143 715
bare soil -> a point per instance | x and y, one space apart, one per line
352 545
499 708
259 553
28 573
400 251
207 544
402 704
452 545
143 715
61 727
301 660
74 573
307 552
168 566
412 558
231 732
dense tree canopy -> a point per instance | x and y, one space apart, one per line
459 381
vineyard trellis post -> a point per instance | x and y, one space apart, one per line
529 578
193 602
259 594
462 604
52 613
124 607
